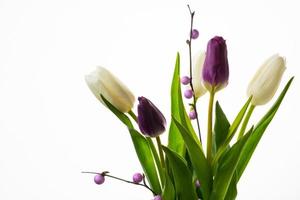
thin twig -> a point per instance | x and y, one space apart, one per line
189 42
126 181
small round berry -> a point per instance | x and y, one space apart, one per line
185 80
195 34
157 197
188 94
137 177
99 179
197 183
193 115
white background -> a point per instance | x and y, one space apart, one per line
52 127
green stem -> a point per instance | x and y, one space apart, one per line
161 154
209 126
157 160
245 122
131 113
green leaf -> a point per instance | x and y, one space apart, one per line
123 118
199 162
232 189
142 149
184 187
144 154
168 190
156 159
221 127
175 141
259 131
226 169
233 128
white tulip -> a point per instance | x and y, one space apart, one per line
103 82
197 79
266 80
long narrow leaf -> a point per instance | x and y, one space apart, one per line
233 128
232 189
221 127
144 154
168 189
199 162
176 142
184 187
226 169
122 117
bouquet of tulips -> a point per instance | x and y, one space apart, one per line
183 169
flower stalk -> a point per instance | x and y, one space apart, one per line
209 126
246 120
161 153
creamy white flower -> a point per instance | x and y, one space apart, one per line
197 79
266 80
103 82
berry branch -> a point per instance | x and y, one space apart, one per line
137 178
193 35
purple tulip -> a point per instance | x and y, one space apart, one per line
150 120
99 179
215 69
137 178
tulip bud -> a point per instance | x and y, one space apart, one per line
215 70
266 80
150 120
103 82
197 80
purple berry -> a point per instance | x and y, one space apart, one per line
99 179
157 197
195 34
137 177
193 114
197 183
188 94
185 80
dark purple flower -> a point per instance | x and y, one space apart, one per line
151 121
137 177
99 179
215 69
